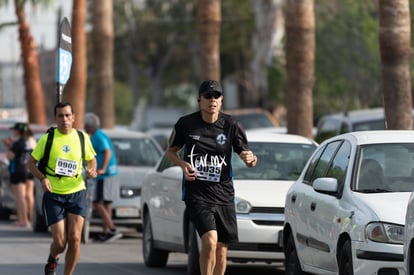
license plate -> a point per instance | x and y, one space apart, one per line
126 212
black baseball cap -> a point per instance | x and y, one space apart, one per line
19 126
209 86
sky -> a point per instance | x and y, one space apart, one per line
42 21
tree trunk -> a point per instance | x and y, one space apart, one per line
300 57
395 36
75 90
209 27
266 43
31 76
102 52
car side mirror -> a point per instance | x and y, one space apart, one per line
326 185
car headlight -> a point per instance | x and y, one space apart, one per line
129 192
243 206
385 232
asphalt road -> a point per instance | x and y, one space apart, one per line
23 252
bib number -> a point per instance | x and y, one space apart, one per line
66 167
209 173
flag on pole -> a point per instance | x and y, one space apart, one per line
64 58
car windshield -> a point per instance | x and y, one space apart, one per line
385 168
135 151
276 161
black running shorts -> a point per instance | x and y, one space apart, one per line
222 218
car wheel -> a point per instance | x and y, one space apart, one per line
410 264
152 257
292 264
193 264
345 260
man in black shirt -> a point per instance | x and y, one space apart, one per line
208 137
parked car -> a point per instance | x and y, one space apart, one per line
345 214
260 194
254 118
352 121
136 153
408 246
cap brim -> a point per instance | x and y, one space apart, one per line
210 91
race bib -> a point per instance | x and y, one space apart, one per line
66 167
208 172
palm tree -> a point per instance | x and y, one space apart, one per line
102 53
395 36
31 76
209 27
300 56
75 91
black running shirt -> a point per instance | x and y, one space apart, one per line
208 148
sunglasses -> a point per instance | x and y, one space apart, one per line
211 95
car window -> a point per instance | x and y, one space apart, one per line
340 163
327 127
135 151
164 164
276 161
344 128
320 162
167 163
254 120
385 168
378 124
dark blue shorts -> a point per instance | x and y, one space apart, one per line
56 206
222 218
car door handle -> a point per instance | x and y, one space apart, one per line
313 206
293 199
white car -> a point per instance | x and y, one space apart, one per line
260 198
345 214
136 153
409 237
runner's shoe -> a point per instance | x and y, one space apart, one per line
50 268
112 236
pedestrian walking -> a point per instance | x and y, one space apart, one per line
64 199
208 137
21 180
105 188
